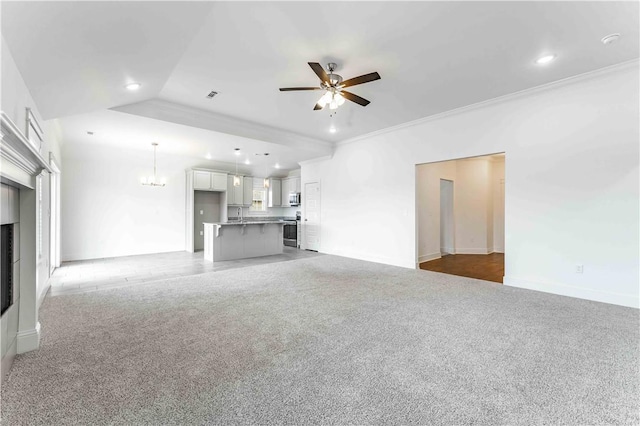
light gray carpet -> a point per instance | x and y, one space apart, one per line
327 340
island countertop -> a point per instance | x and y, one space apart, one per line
247 222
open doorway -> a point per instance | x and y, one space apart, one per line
207 208
461 217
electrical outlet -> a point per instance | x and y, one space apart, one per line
201 232
201 212
579 269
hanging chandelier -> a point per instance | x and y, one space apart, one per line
265 182
152 180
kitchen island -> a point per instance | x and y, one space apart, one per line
242 239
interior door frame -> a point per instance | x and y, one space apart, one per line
304 212
54 214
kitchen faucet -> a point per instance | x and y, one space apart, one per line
240 214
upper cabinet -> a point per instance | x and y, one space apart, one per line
285 193
275 192
209 181
235 194
289 185
247 197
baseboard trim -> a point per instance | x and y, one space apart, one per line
472 251
428 257
43 293
627 300
7 360
368 258
28 340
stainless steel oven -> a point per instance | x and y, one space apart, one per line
290 232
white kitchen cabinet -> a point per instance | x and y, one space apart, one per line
289 186
247 193
201 180
218 181
275 192
209 181
235 194
285 193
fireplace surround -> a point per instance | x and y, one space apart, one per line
20 164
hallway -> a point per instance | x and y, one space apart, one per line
489 267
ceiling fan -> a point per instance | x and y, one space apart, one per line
333 85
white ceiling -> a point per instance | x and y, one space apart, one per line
433 57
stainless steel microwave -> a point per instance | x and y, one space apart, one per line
294 198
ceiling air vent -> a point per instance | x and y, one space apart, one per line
212 94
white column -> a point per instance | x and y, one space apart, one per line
28 326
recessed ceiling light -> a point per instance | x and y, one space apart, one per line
545 59
277 166
611 38
90 133
133 86
208 156
237 151
332 129
247 161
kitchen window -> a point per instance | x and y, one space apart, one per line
259 202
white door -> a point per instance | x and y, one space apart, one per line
446 217
312 216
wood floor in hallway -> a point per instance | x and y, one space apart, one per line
489 267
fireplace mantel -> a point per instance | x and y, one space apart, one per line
20 165
21 162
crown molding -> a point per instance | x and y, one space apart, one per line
500 99
16 149
315 160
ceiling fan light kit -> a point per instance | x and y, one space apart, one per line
333 85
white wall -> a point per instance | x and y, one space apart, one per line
106 212
472 206
571 185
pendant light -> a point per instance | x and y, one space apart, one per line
152 180
236 178
265 183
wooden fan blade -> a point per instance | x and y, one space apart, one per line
289 89
362 79
355 98
317 107
317 68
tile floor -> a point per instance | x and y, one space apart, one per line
99 274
